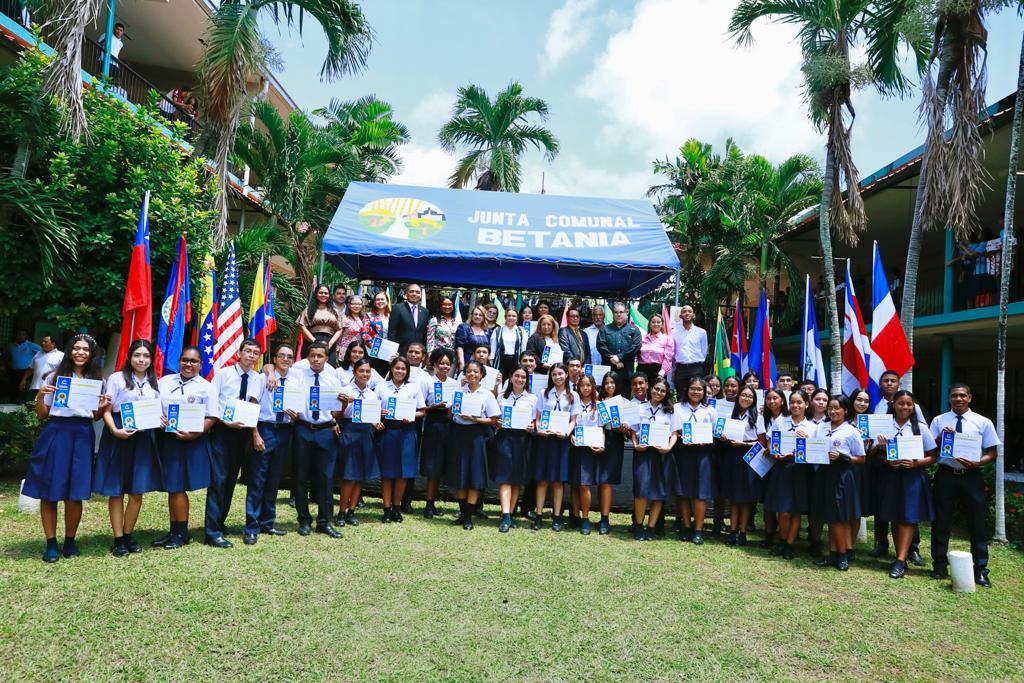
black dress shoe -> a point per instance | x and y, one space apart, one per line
686 534
843 562
741 539
731 538
829 561
698 538
329 530
897 569
351 519
219 542
339 520
175 542
70 548
535 524
51 555
467 523
249 539
769 541
639 533
939 572
981 578
717 528
396 515
879 550
406 508
787 552
479 513
915 558
505 525
132 545
274 531
162 541
428 511
304 530
386 517
556 524
777 548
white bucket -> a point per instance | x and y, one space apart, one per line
27 504
961 568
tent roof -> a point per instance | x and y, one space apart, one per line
573 245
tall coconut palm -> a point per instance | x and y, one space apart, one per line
828 30
497 132
236 53
369 127
65 22
952 174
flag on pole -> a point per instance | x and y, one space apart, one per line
666 324
638 319
257 309
519 301
856 345
138 292
205 331
456 297
268 301
761 359
500 320
811 362
889 347
723 357
738 343
565 313
175 313
229 317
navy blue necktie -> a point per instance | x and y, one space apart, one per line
280 416
244 386
316 383
960 423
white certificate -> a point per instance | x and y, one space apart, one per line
556 421
516 417
470 405
782 444
904 448
366 411
730 429
538 383
383 349
552 355
597 372
604 408
698 433
489 379
289 397
242 412
723 408
143 414
76 393
626 413
591 437
874 426
188 418
653 434
811 451
400 409
329 402
760 399
757 458
966 446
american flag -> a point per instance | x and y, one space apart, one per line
229 317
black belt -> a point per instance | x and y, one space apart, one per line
961 471
268 423
316 427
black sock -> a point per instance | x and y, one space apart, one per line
51 543
69 538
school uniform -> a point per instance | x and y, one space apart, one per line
466 462
864 475
743 484
437 428
582 460
186 464
551 453
265 468
609 463
512 447
787 490
60 467
905 496
398 444
651 469
835 497
228 447
357 450
694 474
953 483
129 465
315 450
346 377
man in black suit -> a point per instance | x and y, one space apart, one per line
408 321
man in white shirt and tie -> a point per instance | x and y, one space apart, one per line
597 316
691 348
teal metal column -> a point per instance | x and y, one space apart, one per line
946 377
947 275
111 7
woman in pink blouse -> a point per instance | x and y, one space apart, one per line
657 351
353 324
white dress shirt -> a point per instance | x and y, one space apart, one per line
195 391
228 381
329 386
43 365
591 335
691 344
973 424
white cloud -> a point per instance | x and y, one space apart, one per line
570 175
568 32
674 73
423 165
431 111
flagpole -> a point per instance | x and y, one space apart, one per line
803 337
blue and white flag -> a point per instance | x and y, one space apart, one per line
812 365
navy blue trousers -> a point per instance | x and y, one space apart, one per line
264 475
314 453
227 451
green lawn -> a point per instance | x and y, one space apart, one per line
427 601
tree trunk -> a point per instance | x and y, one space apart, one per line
829 270
1006 264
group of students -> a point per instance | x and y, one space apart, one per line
466 443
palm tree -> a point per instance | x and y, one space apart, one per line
827 30
236 53
368 126
497 133
65 22
29 208
952 174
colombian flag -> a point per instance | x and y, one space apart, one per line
258 308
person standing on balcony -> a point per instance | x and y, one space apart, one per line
691 348
116 42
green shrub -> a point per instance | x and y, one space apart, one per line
18 433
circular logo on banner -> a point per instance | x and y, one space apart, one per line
402 218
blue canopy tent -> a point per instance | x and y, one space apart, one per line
544 243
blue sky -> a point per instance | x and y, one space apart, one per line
626 82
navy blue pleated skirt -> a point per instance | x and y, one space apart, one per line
905 496
609 463
694 472
583 465
786 489
512 449
466 464
744 486
649 474
357 450
129 465
874 473
551 459
435 441
60 467
835 496
721 469
397 449
186 464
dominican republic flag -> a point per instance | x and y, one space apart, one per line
856 345
138 292
738 343
889 347
204 334
229 317
175 313
811 362
761 359
258 309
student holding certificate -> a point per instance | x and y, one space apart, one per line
743 485
649 460
436 425
356 350
60 467
128 462
787 492
609 463
960 479
551 451
185 455
860 399
583 459
818 415
466 467
835 498
722 456
776 409
513 445
398 444
357 456
905 496
692 482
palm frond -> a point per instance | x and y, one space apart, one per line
42 217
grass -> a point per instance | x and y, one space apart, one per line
426 601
